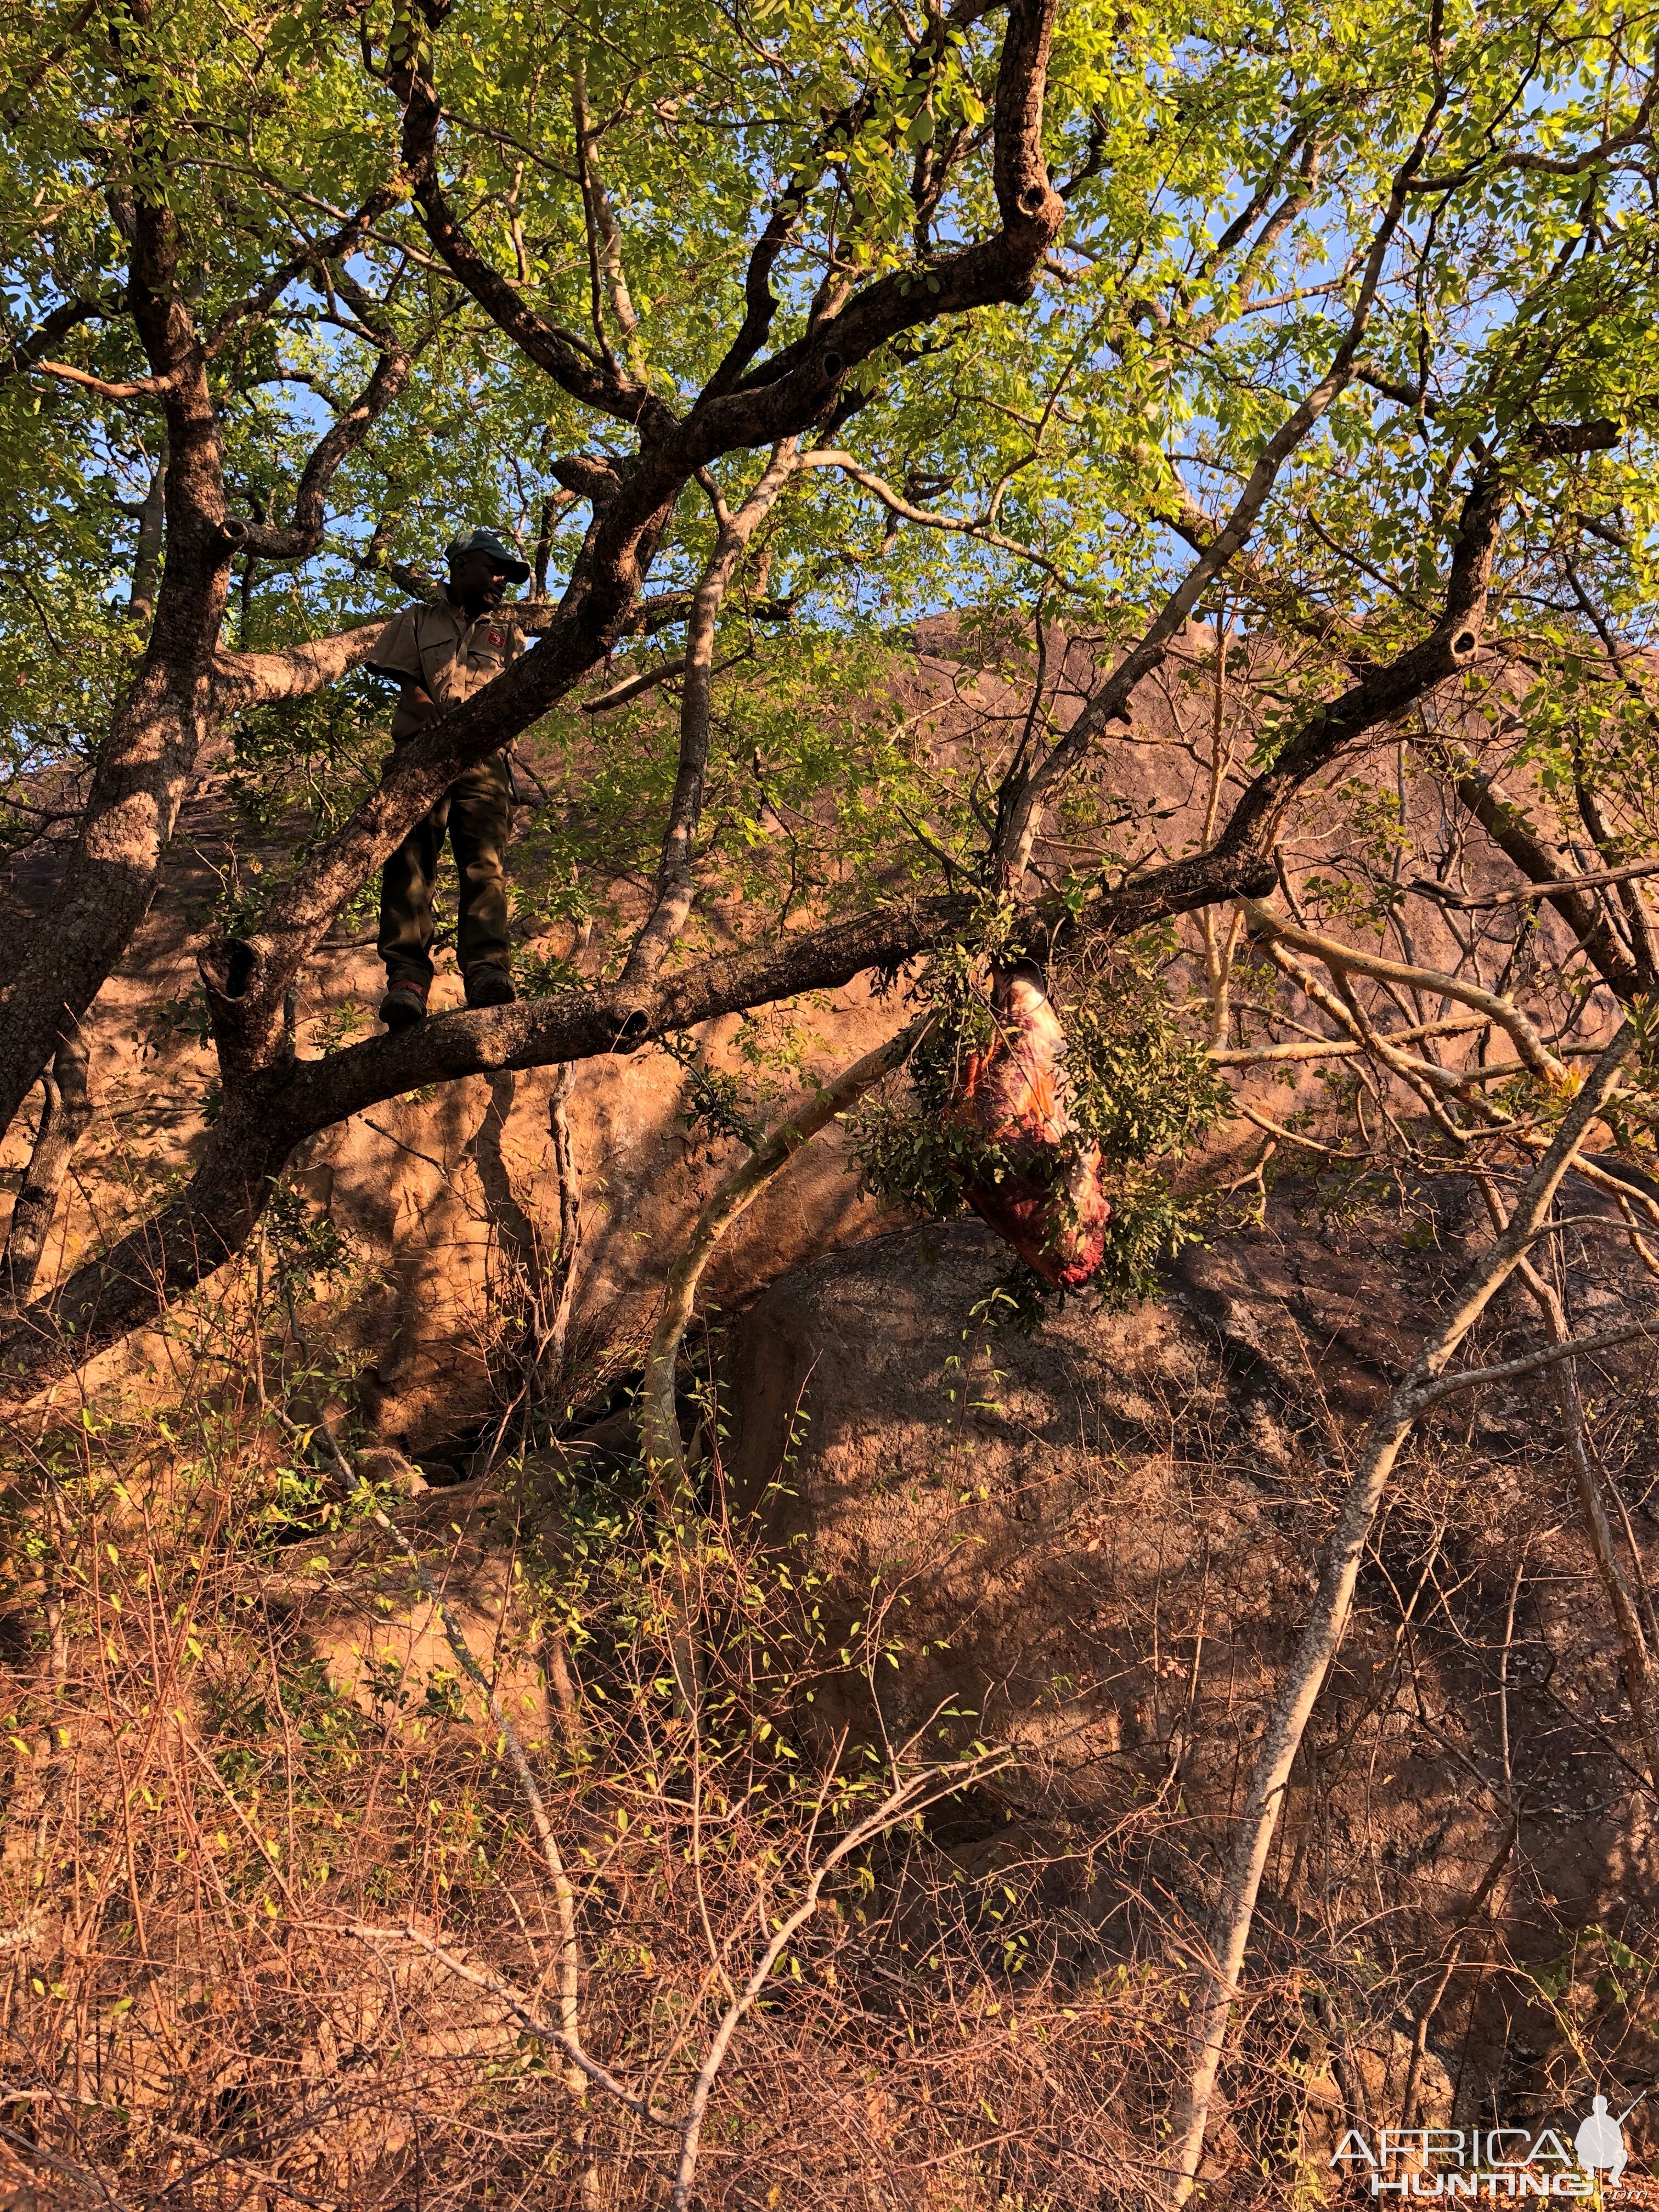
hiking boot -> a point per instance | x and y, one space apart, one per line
489 987
404 1004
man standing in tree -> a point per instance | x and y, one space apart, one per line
440 653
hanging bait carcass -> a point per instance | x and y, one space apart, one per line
1047 1200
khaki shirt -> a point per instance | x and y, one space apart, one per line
435 646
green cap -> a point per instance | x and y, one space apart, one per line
486 541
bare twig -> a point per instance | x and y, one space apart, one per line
1424 1384
1345 959
564 1895
902 1803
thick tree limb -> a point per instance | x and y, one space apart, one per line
241 680
1276 595
65 1110
1596 880
312 254
30 352
288 1100
573 364
1507 826
143 387
264 1117
783 396
1262 1055
145 768
247 981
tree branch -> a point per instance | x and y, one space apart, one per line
265 1115
1240 862
300 538
1020 809
30 353
573 364
65 1110
241 680
247 981
828 457
1507 826
1344 959
1424 1384
674 886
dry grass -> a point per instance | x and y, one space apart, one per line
276 1928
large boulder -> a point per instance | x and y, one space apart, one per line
1100 1543
1035 1526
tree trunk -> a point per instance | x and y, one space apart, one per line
144 767
63 1117
143 776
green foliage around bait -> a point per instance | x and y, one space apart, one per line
1137 1083
1137 1086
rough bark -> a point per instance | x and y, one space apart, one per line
64 1113
146 557
145 768
1507 825
241 680
273 1101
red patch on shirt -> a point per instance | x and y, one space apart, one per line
496 638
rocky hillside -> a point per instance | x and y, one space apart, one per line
919 1534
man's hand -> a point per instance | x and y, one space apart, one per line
415 710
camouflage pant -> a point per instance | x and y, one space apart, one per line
477 813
